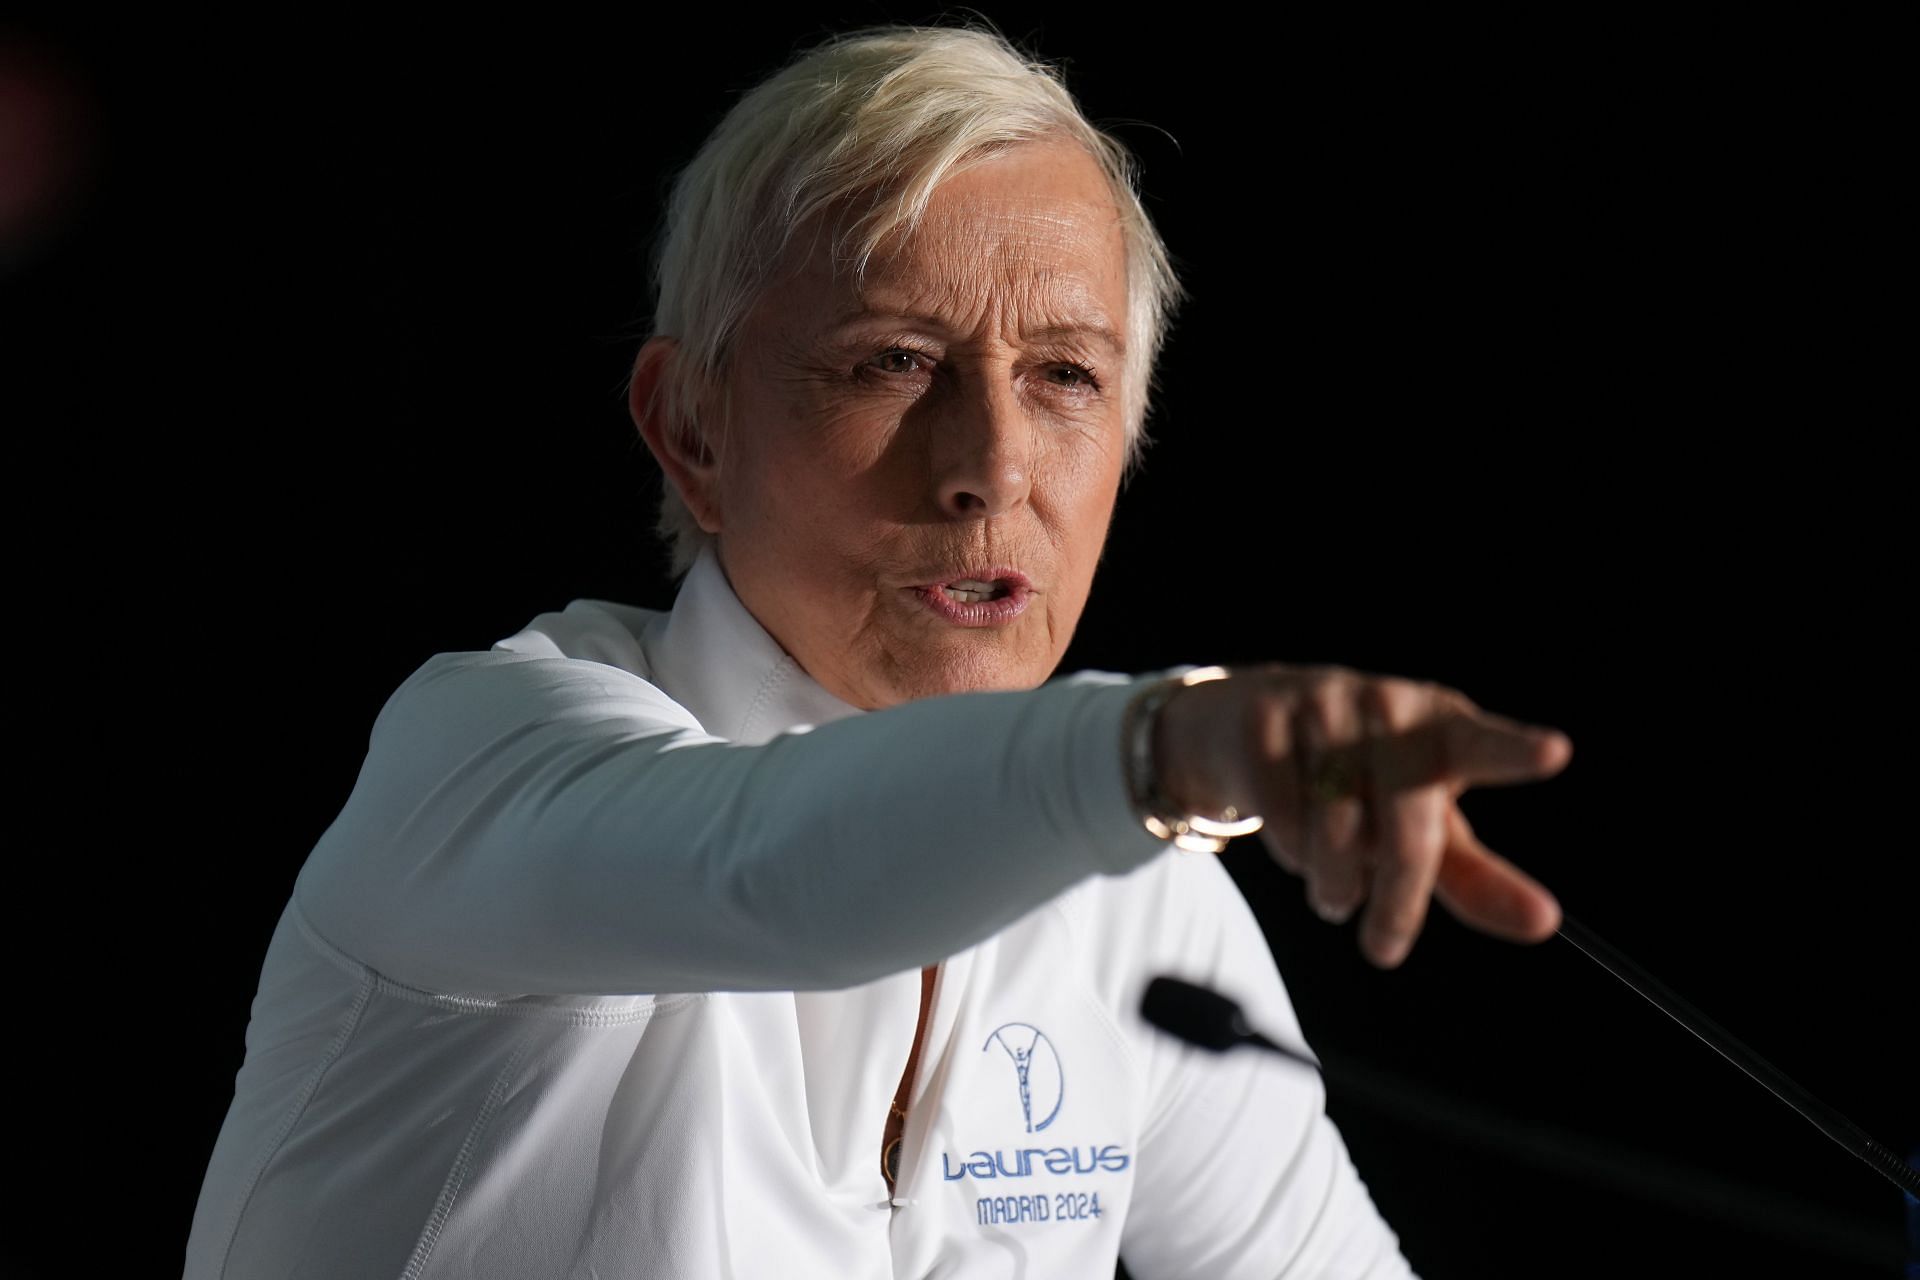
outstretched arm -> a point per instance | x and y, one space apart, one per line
533 825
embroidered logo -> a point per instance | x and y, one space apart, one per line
1036 1065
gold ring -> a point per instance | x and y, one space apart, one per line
1333 780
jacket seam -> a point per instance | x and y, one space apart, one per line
457 1176
1328 1189
483 1006
1180 1085
1088 991
349 1023
774 678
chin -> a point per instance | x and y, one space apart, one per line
964 672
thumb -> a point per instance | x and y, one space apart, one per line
1485 891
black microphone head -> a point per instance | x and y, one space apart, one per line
1195 1014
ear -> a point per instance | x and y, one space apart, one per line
672 432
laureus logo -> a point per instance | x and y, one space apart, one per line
1037 1066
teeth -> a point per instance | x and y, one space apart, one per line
973 590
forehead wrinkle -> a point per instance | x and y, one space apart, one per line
996 233
1048 323
1010 221
946 290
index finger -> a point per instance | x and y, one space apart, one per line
1460 742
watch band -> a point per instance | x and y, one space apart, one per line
1190 831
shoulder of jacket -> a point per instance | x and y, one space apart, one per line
597 630
502 685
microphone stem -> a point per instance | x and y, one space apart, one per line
1822 1116
1305 1059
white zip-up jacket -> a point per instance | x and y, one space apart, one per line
609 967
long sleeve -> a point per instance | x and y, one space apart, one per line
1241 1174
529 825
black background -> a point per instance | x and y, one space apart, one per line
1553 360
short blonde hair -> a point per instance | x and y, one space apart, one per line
876 116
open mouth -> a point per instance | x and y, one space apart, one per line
990 596
974 590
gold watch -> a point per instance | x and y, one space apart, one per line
1189 831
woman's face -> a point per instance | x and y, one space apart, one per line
960 419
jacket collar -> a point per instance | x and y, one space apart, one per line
714 658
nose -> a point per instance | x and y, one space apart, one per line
982 451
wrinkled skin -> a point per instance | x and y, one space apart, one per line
869 458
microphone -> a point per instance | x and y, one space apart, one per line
1207 1020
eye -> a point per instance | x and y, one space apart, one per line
895 360
1068 374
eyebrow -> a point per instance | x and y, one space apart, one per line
1079 329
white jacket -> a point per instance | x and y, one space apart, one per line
609 968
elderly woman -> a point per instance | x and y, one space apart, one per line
801 931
